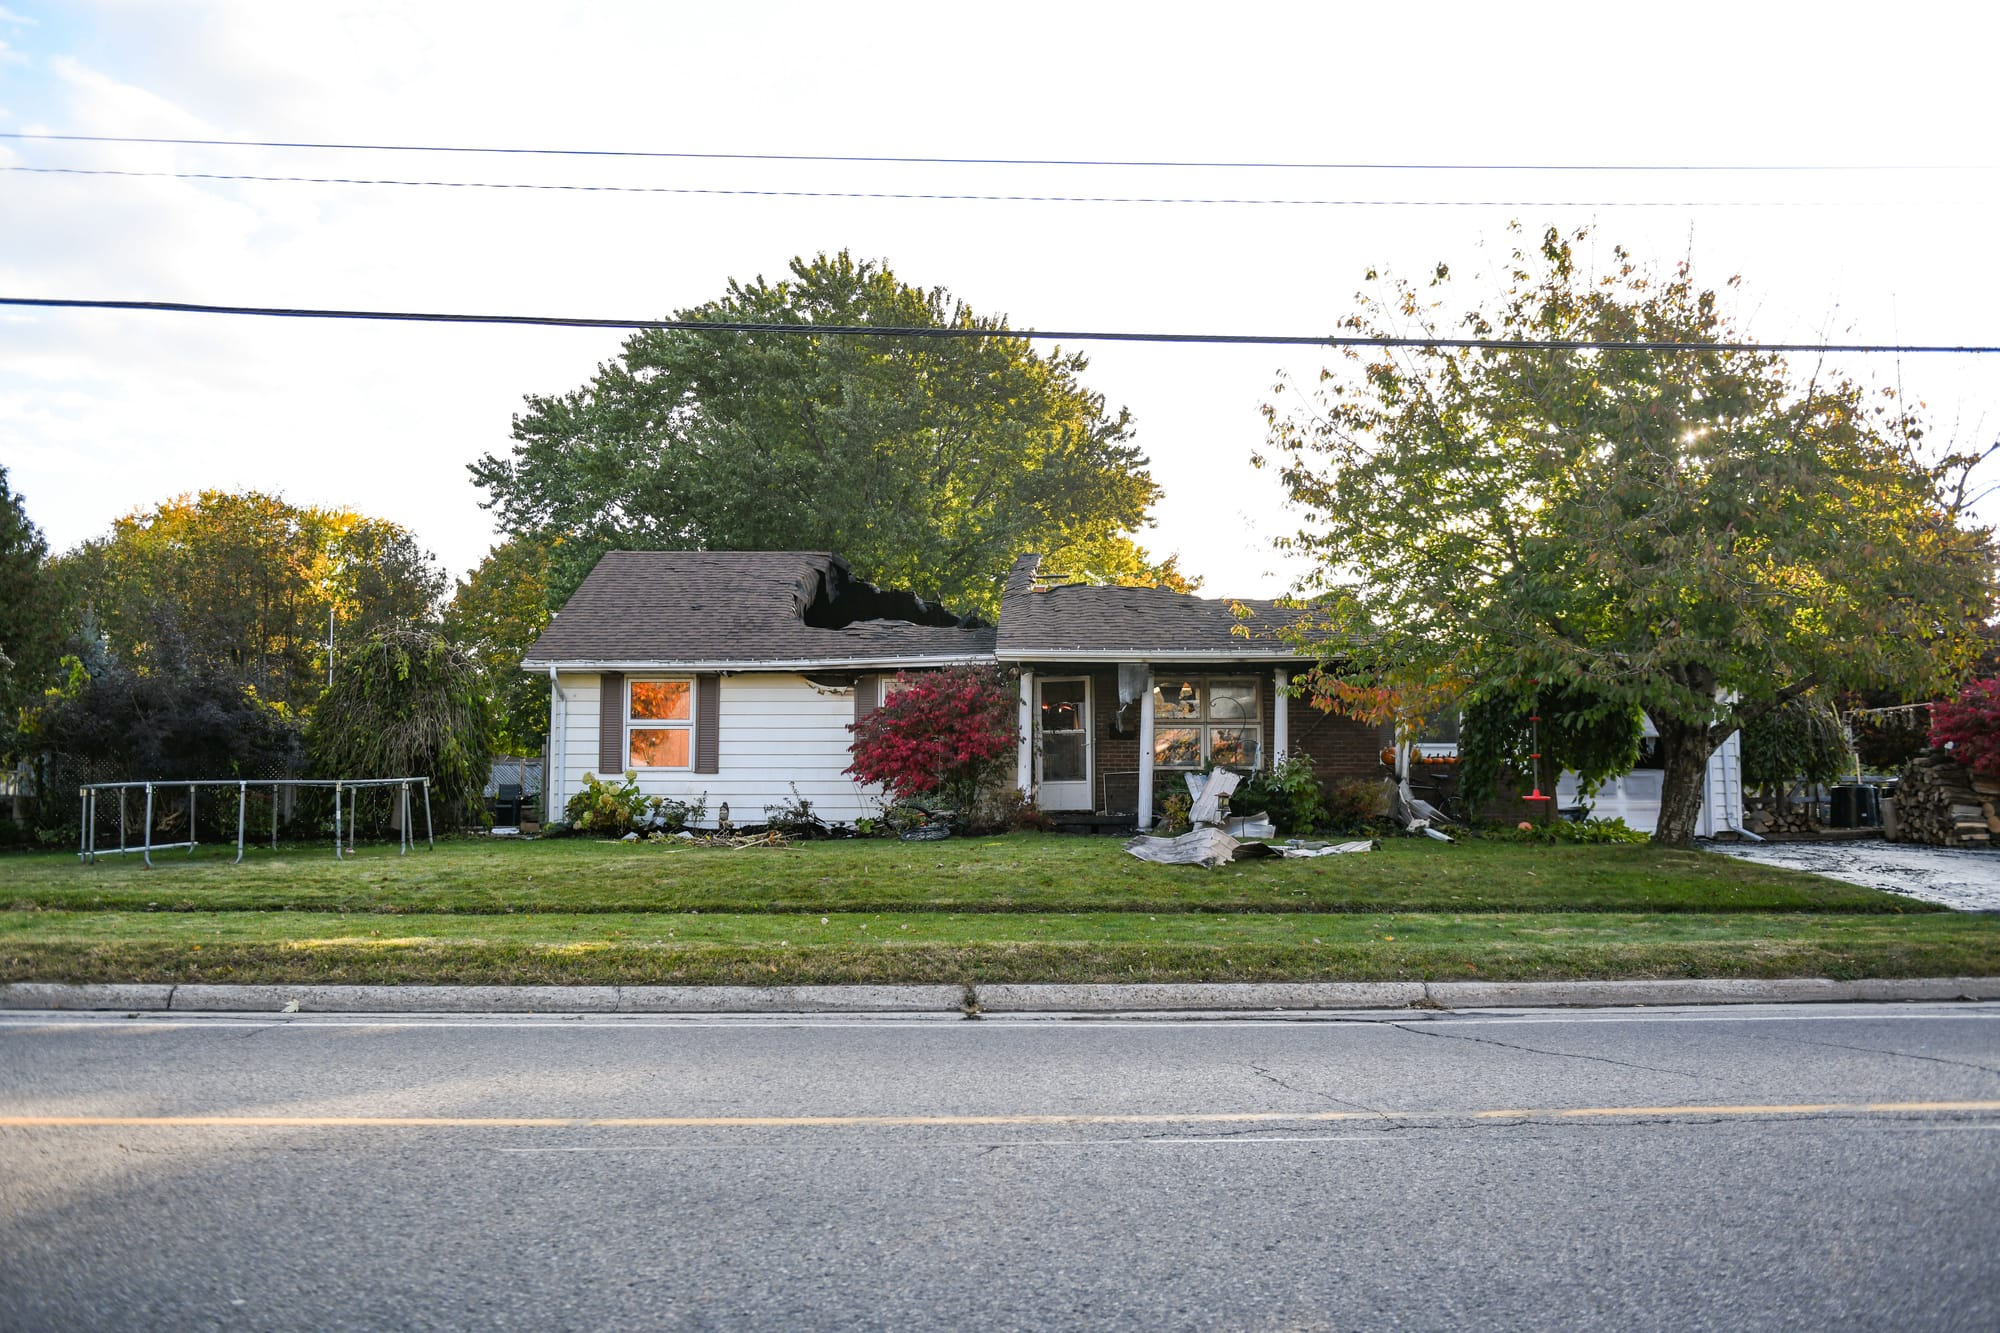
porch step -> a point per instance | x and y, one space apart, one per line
1080 823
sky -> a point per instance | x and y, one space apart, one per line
1888 239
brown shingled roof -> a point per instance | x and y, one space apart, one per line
733 608
1135 624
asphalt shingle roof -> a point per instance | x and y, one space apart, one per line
1132 623
726 607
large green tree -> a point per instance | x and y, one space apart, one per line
499 610
929 462
249 580
1703 533
31 624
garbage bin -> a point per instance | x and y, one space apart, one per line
1856 805
507 805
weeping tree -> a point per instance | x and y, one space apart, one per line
1801 740
407 703
1595 735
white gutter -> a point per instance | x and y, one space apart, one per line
1140 656
558 750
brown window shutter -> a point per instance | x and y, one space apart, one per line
867 694
610 724
708 724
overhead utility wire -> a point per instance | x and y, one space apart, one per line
985 198
987 161
1043 335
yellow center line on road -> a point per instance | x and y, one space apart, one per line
970 1121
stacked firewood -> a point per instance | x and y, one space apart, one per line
1769 814
1939 801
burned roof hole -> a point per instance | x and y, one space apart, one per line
844 600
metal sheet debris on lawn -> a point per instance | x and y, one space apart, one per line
1209 847
1213 848
1209 843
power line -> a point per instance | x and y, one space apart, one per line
983 198
956 331
990 161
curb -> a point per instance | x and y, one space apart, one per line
1214 997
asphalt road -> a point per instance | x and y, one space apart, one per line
1799 1167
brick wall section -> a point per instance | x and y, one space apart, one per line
1340 747
1115 754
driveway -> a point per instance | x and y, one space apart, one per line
1955 877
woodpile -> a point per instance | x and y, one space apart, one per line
1939 801
1772 811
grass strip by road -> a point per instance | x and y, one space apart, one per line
1020 872
781 948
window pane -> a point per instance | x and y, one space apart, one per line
1231 745
1177 698
1062 757
1062 705
659 700
1232 700
659 747
1177 747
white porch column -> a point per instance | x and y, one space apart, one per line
1024 752
1146 754
1281 727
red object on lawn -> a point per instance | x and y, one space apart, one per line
1536 755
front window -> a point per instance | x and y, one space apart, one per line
659 723
1202 720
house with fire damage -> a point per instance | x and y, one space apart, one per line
737 676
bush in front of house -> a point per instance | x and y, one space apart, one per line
605 807
619 807
1288 792
941 735
1354 805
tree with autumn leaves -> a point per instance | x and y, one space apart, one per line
943 734
1697 530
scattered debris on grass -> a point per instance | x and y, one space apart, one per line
1213 848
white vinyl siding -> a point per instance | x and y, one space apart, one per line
774 730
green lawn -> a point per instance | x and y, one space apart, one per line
1017 908
676 948
1020 872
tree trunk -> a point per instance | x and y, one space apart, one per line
1685 749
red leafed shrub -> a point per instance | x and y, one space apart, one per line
1970 725
939 734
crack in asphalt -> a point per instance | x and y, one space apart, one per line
1904 1055
1537 1050
1328 1097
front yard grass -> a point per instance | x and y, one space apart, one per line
1019 872
1016 908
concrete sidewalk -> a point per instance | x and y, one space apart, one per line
1269 997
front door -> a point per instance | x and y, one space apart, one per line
1062 754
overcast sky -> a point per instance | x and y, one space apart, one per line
104 412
